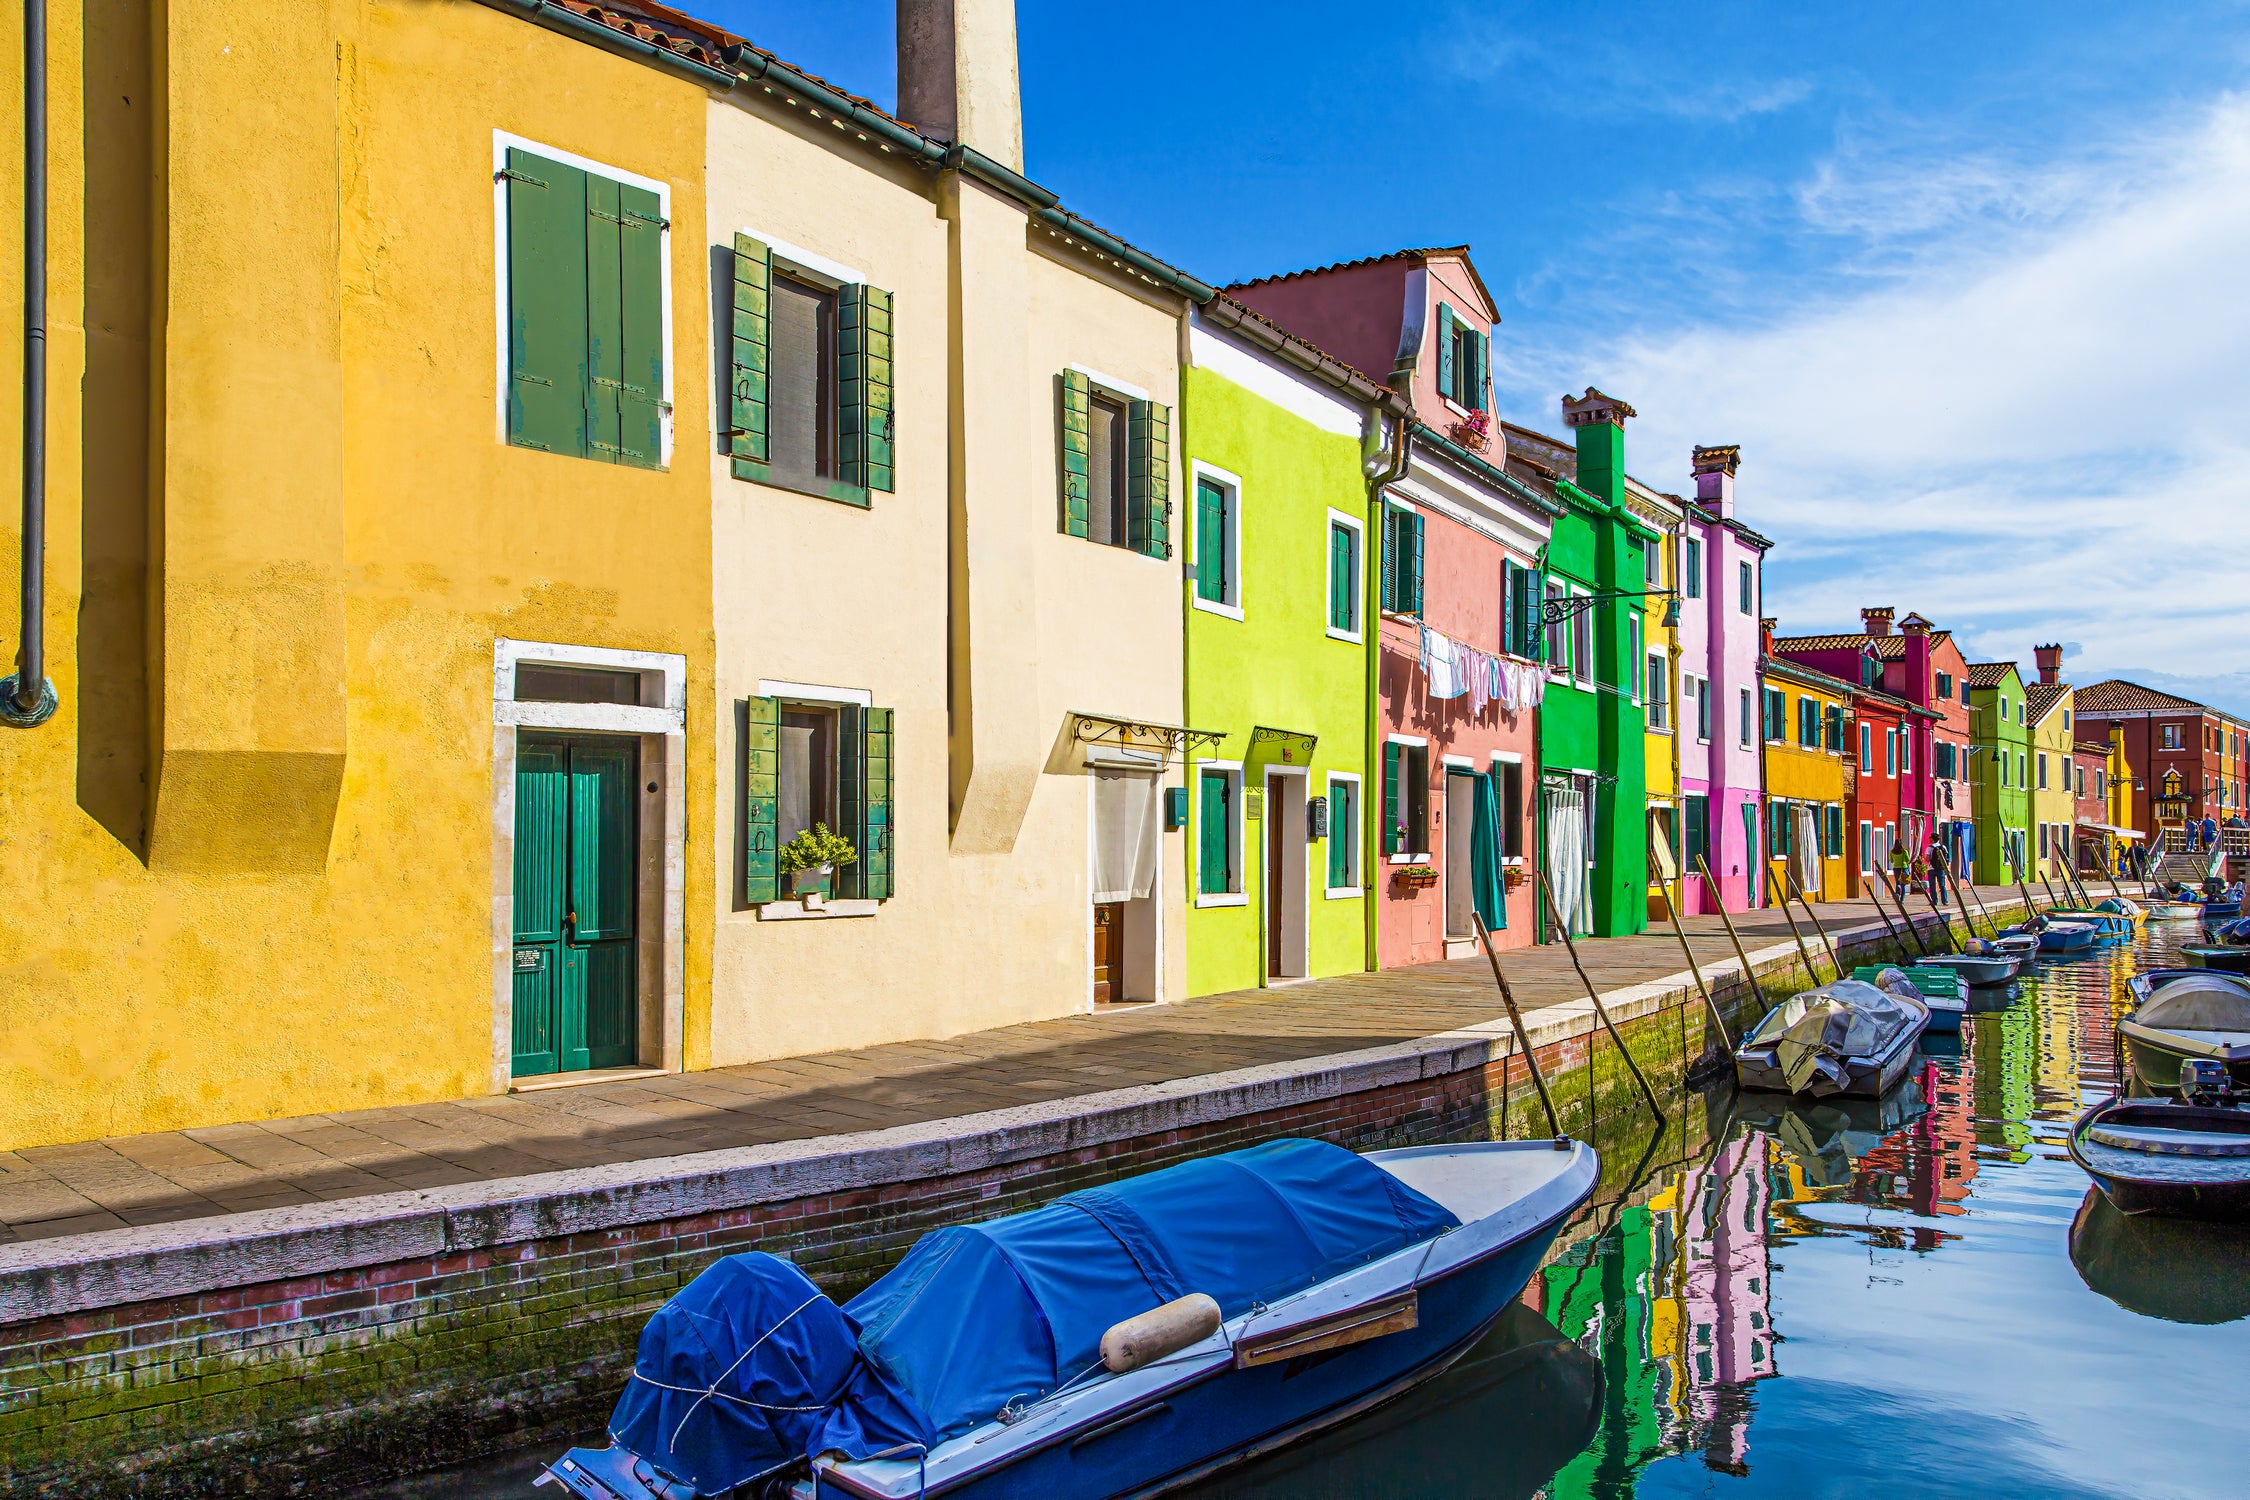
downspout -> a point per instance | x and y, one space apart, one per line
27 698
1371 811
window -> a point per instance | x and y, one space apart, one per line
1870 672
1890 752
1343 834
1218 540
1652 565
2043 830
2020 769
809 762
1343 577
2172 737
1742 728
1867 748
1808 723
2078 775
2020 710
1947 764
1401 589
1866 848
1742 580
1945 684
1658 691
1702 708
1633 683
585 308
1777 715
1116 467
2066 718
1691 568
2101 782
1905 752
1218 833
2003 708
1558 631
1519 595
1835 830
1582 641
1464 360
1835 734
2042 776
1406 800
543 682
1778 819
811 404
1508 776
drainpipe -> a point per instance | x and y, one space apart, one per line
27 698
1372 811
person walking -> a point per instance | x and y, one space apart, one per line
1901 863
1941 865
2210 832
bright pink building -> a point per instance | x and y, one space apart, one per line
1722 773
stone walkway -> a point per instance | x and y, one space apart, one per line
147 1179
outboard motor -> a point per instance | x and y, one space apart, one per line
2205 1080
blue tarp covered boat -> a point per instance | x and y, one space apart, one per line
975 1367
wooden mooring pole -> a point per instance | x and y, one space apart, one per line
1555 912
1523 1036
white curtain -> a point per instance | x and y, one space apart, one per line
1125 805
1805 850
1566 857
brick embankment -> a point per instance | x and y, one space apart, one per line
312 1347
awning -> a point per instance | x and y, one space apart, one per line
2108 828
1285 747
1166 742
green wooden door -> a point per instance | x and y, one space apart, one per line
577 836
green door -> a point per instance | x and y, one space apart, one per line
576 838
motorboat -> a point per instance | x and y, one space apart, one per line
2180 1015
2021 945
2058 937
1121 1340
2217 957
2107 925
1977 970
2123 906
2175 911
1846 1037
1938 987
2159 1267
2187 1158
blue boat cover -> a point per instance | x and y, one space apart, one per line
980 1314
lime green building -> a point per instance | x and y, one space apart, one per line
1278 438
2000 750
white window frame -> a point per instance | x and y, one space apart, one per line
1866 851
501 142
1746 588
1582 672
1661 714
1637 632
1239 833
1745 733
1421 743
1702 709
1691 567
1198 471
1511 758
1353 828
1557 636
1358 528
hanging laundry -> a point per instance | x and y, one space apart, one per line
1441 665
1476 669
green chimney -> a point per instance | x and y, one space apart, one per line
1599 422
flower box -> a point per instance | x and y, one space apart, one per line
1413 878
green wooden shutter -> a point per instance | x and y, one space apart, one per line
1339 577
605 316
863 386
1386 594
1148 430
752 343
1394 812
878 862
1445 362
1210 542
546 304
640 397
1077 409
1213 831
761 753
1410 565
851 794
1480 388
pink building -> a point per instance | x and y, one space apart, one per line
1722 587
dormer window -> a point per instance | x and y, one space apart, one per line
1464 361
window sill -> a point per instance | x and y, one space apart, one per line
1345 893
1349 637
1213 607
796 911
1233 898
1406 859
819 489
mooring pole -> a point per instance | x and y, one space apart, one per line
1523 1037
1782 891
1672 910
1806 902
1749 975
1896 941
1913 933
1555 911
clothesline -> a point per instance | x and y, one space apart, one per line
1454 669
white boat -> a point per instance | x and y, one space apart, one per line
1848 1037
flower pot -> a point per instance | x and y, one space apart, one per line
811 886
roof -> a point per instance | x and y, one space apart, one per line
1991 673
1892 700
2085 749
1302 354
1423 253
1782 666
1820 642
2043 696
2119 696
1893 647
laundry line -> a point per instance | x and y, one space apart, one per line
1456 669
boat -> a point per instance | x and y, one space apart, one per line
2107 925
2191 1014
1846 1037
1977 970
1121 1340
2175 911
2058 937
2159 1267
2123 906
2217 957
2023 945
1940 989
2217 911
2185 1159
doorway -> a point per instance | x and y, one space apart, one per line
1109 952
1460 863
576 878
1288 857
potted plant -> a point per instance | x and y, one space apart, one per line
1474 430
1513 876
810 860
1412 878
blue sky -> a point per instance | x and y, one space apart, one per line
1966 282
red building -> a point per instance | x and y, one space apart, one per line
2171 743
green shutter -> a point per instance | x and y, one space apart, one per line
1339 576
1410 565
1214 830
851 794
1340 833
1511 607
1480 387
1445 371
1210 542
605 316
1394 814
1148 431
761 754
863 386
1077 407
1386 541
878 860
546 304
640 399
753 340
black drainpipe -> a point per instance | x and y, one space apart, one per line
27 698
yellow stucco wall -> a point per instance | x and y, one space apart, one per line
259 877
1799 773
990 922
2054 736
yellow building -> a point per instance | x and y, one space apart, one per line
1805 776
408 739
2048 706
1660 679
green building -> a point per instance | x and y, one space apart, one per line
1593 763
2000 752
1278 607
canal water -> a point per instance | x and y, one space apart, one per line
1924 1298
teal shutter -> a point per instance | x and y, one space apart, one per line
752 342
761 753
546 304
1077 411
864 390
1214 829
1480 388
1511 608
1210 542
878 856
1341 833
640 395
1394 812
851 794
1148 430
1340 570
1445 357
605 316
1386 595
1410 564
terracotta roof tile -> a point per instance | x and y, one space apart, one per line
1989 673
1350 265
1788 643
2043 696
1782 666
2119 696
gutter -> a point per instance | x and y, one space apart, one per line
1486 470
27 697
1228 314
1371 811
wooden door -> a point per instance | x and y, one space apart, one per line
1276 887
1109 952
576 872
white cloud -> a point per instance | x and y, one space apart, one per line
2033 426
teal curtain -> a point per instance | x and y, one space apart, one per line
1484 856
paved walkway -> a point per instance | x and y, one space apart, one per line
146 1179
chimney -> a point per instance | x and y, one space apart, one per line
1765 635
957 74
1714 479
1599 421
2050 662
1919 686
1877 620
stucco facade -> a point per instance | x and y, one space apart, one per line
2054 802
1721 775
1999 722
1659 681
1806 797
